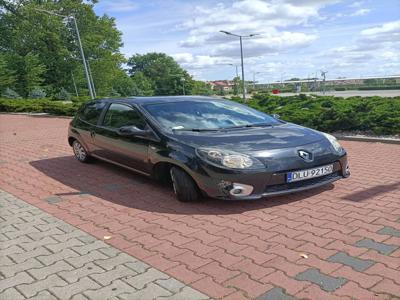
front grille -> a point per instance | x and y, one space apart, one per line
302 184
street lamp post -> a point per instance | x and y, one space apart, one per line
79 44
241 55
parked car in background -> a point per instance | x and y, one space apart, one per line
207 146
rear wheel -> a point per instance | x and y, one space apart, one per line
80 152
185 188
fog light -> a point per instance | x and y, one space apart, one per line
347 171
239 189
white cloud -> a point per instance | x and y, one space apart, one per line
360 12
390 27
118 5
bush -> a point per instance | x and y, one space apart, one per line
63 95
37 93
379 115
39 106
10 94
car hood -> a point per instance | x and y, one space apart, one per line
251 139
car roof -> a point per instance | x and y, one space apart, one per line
160 99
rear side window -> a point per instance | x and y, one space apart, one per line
92 111
119 115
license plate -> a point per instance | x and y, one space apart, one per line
309 173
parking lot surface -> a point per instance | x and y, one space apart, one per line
341 241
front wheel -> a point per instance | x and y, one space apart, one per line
80 152
185 188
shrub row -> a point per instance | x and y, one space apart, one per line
39 106
326 113
378 115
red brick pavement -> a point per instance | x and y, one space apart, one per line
236 250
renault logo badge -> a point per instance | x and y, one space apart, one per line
307 156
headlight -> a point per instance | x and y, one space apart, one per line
335 144
229 159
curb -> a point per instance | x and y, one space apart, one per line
368 139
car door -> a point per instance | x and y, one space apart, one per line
130 151
86 122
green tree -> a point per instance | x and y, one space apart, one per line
25 30
201 88
7 76
163 72
143 84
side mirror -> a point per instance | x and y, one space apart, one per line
276 116
133 131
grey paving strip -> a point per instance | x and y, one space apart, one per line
276 294
42 257
326 282
389 231
380 247
357 264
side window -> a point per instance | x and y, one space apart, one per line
92 111
119 115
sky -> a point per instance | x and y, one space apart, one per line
295 38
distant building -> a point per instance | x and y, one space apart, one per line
222 85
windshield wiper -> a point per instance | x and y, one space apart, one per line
250 125
196 129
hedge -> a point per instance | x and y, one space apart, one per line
379 115
39 106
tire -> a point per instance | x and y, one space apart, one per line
80 152
185 188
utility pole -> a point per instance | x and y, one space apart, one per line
241 56
323 74
79 44
83 57
73 82
91 79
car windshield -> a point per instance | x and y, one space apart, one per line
207 115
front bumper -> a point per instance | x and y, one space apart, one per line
266 184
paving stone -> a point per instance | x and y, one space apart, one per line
17 241
43 295
87 239
83 285
20 278
380 247
110 263
31 245
64 254
116 288
109 251
186 293
171 284
63 237
32 289
275 294
138 266
151 291
89 247
74 274
79 260
119 272
43 272
326 282
67 244
53 199
356 263
19 258
11 294
13 269
389 231
140 281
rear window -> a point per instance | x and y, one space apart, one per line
91 112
